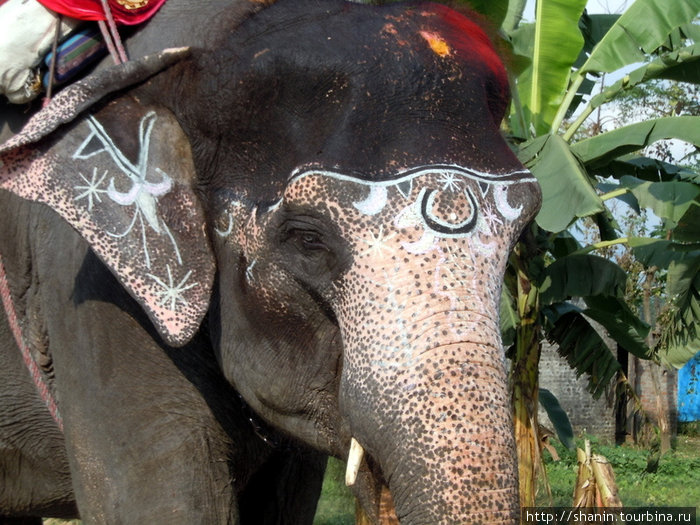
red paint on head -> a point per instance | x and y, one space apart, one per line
467 38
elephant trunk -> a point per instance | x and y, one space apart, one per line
423 385
435 416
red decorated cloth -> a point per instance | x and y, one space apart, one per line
128 12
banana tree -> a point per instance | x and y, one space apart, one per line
567 49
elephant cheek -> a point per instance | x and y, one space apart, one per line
439 426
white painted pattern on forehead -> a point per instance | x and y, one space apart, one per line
403 176
453 180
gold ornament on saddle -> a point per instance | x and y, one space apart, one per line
133 4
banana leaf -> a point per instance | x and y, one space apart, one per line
581 345
680 338
643 168
567 191
622 325
661 253
557 43
562 425
494 10
630 41
669 200
682 65
581 275
603 148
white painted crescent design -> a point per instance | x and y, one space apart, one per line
375 201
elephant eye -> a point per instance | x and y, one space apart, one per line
308 240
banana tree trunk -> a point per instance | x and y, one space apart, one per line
524 382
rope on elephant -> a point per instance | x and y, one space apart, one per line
34 371
111 35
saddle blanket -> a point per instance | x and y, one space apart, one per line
128 12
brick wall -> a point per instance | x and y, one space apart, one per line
597 417
587 415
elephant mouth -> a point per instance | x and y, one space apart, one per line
366 481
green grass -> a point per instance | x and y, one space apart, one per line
674 483
337 504
642 482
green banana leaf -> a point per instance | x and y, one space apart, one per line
608 227
593 28
660 252
668 200
494 10
557 42
622 325
581 345
688 228
564 244
630 41
680 338
581 275
567 191
643 168
562 425
682 65
603 148
513 15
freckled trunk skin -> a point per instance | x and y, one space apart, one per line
423 385
433 407
453 463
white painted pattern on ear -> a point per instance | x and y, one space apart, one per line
142 195
91 190
173 293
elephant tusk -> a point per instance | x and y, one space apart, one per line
354 460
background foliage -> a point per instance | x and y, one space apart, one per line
569 280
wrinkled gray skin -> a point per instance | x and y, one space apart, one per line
228 261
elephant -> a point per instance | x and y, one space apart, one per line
275 234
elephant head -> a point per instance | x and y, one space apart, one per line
330 184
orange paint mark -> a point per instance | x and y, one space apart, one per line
390 29
439 46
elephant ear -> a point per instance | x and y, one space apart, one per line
123 177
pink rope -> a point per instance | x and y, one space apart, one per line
29 361
108 40
116 39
